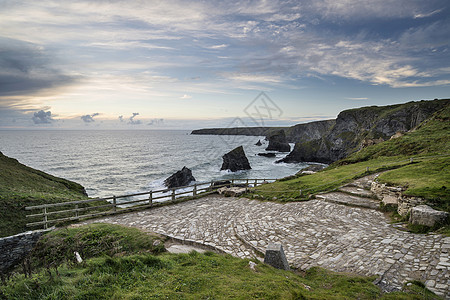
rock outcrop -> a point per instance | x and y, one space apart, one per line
14 249
278 142
354 125
268 154
258 143
425 215
232 191
235 160
180 178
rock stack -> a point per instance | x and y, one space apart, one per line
180 178
235 160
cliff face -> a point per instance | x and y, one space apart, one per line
308 131
250 131
294 134
355 125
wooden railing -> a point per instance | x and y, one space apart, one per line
82 209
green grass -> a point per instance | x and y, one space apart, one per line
21 186
90 241
326 180
122 265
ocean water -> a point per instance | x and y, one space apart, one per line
110 163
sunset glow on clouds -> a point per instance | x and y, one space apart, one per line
180 64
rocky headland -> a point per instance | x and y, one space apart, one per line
330 140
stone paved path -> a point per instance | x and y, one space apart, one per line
313 233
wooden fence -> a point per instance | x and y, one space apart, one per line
82 209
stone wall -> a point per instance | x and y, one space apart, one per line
393 195
14 249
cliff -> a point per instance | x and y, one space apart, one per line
22 186
354 126
296 133
249 131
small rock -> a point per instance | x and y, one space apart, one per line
78 257
252 265
231 191
268 154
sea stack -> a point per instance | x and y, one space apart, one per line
180 178
278 142
235 160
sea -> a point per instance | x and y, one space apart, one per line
112 162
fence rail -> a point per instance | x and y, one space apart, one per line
74 210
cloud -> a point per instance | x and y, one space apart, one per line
89 118
221 46
121 118
186 96
156 122
426 15
360 98
132 121
42 117
27 68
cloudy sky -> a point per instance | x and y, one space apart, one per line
188 64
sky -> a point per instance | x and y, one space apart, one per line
194 64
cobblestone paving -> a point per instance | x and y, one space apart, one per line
313 233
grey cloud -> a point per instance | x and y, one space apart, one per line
26 68
156 122
42 117
132 121
89 118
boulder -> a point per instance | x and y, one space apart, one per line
275 257
235 160
278 142
269 154
232 191
180 178
425 215
258 143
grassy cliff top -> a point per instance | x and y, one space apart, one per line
22 186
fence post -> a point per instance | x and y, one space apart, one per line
194 191
114 203
76 211
256 183
173 194
150 198
45 218
232 182
211 186
300 193
367 169
246 183
411 160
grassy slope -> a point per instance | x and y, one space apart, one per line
137 273
427 177
22 186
